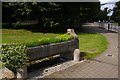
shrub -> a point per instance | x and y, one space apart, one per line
64 37
45 41
14 56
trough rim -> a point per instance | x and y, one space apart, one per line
51 44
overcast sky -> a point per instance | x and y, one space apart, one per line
111 4
105 1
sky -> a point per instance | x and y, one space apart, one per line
105 1
110 5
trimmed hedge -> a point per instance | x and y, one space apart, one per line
14 56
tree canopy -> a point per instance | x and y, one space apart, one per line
102 15
116 14
51 13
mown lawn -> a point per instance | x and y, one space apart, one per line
24 37
115 23
91 44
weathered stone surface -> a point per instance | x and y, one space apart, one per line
65 49
55 48
6 73
22 73
76 55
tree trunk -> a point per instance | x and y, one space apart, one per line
10 23
70 23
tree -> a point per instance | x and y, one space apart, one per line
14 11
102 15
78 13
20 11
116 14
51 13
44 12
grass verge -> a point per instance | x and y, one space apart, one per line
92 44
31 39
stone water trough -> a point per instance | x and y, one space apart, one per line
67 49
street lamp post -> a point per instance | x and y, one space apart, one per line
109 24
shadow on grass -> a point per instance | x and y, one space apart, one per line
37 28
61 29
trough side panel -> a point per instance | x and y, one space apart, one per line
52 49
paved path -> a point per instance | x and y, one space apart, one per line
101 67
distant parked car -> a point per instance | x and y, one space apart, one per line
105 21
98 21
111 21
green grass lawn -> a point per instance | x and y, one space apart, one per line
91 44
115 23
24 37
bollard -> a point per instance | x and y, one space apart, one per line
76 55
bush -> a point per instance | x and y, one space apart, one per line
14 56
45 41
64 37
